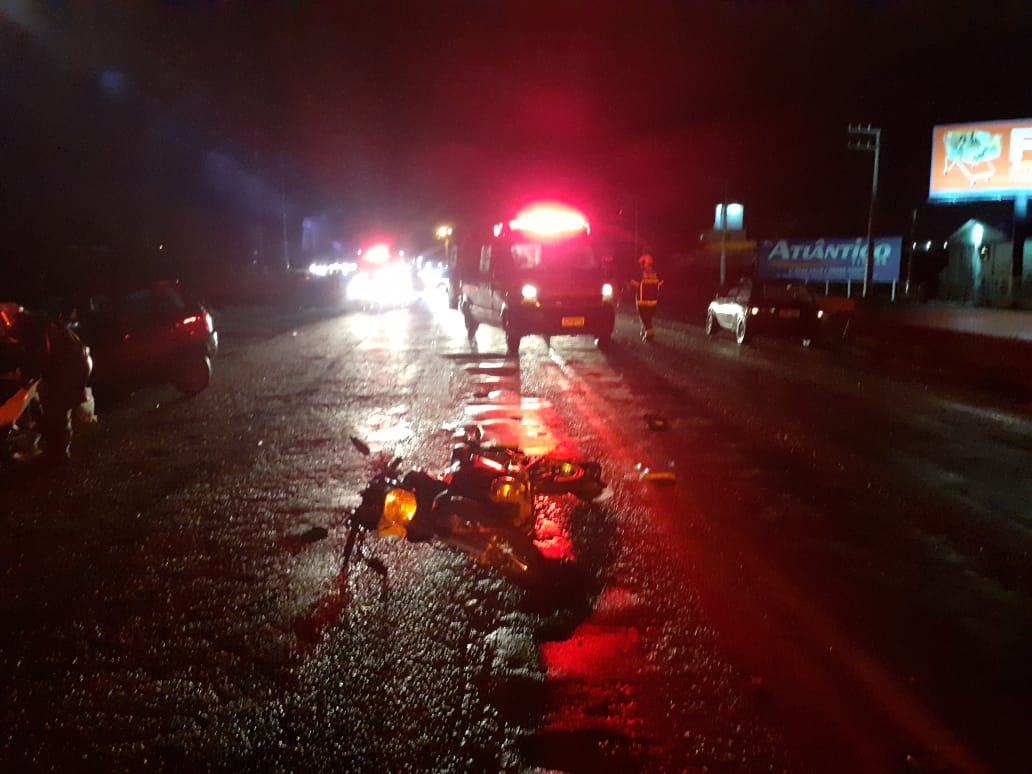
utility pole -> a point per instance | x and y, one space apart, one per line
868 139
723 237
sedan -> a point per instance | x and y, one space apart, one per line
153 334
765 307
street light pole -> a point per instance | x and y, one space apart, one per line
444 233
870 143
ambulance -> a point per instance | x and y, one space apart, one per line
538 274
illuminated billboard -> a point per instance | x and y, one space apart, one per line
829 260
991 160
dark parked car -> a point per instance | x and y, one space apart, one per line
150 334
765 308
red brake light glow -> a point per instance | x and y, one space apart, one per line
197 321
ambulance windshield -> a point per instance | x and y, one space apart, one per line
532 256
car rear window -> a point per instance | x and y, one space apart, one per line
782 293
159 303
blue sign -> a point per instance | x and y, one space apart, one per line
829 260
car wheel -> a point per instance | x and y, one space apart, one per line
740 330
711 324
194 375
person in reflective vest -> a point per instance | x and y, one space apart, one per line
646 294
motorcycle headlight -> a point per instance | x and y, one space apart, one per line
399 506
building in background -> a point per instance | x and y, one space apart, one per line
980 267
985 162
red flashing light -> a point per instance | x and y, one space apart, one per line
377 254
550 220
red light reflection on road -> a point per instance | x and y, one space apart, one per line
552 528
593 650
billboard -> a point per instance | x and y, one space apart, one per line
988 160
829 260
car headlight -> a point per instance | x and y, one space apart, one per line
530 293
607 292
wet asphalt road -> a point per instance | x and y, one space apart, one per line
837 581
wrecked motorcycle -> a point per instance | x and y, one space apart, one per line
548 475
479 507
21 415
19 419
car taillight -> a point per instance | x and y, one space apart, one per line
197 321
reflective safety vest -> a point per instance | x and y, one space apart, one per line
648 289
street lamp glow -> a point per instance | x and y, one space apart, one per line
443 232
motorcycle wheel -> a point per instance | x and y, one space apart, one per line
581 479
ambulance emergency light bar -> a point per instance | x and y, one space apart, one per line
379 253
547 221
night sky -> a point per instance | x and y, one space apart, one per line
200 125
